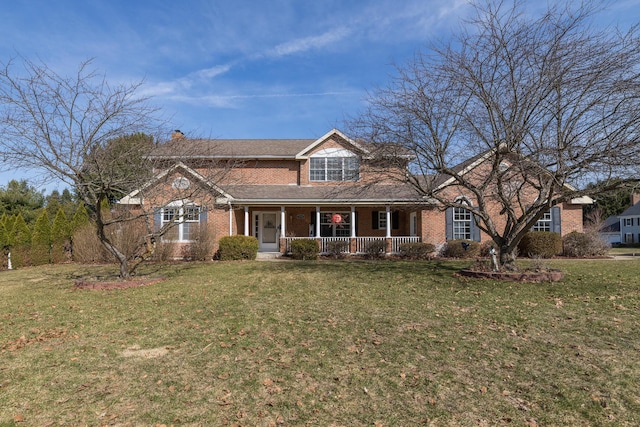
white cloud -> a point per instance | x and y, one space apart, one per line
308 43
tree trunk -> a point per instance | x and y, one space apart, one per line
125 273
508 257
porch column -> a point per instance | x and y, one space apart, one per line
283 222
388 213
353 221
230 220
317 230
247 230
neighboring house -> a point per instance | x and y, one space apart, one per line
623 228
629 224
328 189
610 230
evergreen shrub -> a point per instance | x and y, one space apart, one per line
233 248
540 244
417 250
305 249
461 248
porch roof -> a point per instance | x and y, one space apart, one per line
324 195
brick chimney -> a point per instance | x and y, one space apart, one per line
177 134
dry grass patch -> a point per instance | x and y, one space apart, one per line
321 343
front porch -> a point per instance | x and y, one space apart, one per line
353 245
352 229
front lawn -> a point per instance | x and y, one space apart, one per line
328 343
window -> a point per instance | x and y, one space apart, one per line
379 220
334 169
334 164
335 224
544 223
628 222
461 224
550 221
186 220
382 219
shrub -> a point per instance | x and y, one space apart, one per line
164 251
201 249
233 248
461 248
418 250
41 240
587 244
86 247
305 249
20 241
540 244
60 238
337 248
375 249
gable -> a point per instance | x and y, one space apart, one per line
334 139
179 178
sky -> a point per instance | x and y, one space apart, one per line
243 68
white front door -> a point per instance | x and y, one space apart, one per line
413 224
267 226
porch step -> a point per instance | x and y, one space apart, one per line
268 255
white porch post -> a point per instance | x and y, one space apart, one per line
388 213
230 220
283 222
317 230
247 230
353 221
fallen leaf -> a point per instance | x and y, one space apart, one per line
19 418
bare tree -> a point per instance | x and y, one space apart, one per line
82 131
549 102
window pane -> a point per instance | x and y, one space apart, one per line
171 235
351 169
544 223
334 169
190 230
461 224
169 214
192 213
317 169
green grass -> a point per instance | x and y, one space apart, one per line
321 344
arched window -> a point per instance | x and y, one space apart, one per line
460 223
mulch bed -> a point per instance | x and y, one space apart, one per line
116 284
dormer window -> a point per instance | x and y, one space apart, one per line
333 164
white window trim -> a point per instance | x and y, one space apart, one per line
345 224
343 156
545 223
463 223
182 208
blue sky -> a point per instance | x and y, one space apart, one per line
242 68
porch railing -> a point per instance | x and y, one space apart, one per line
358 243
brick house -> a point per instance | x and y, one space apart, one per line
328 189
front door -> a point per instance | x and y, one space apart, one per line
267 230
